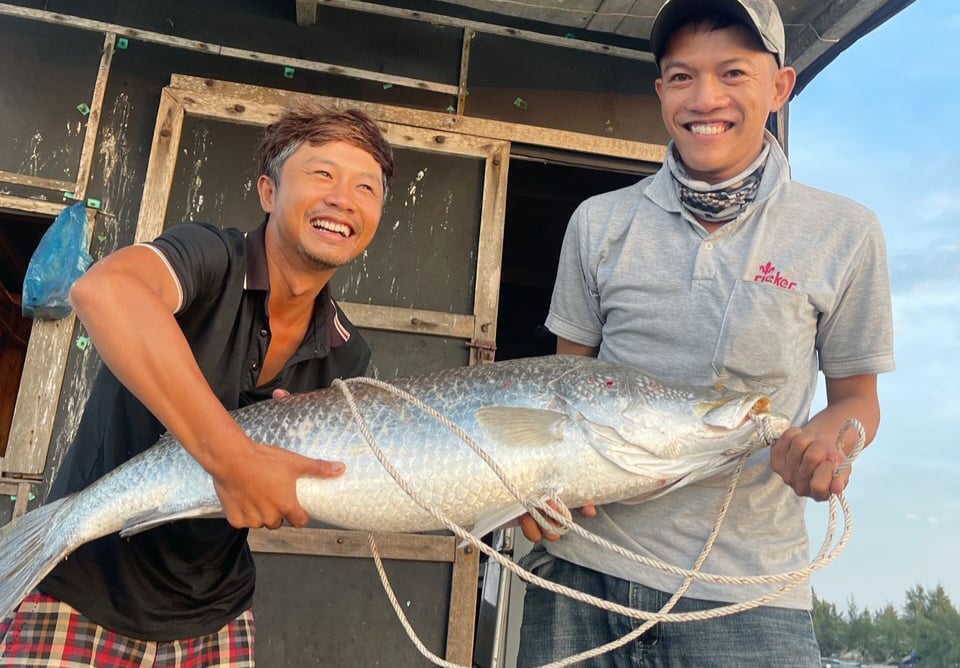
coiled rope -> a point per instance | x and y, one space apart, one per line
560 519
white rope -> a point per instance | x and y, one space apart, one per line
561 518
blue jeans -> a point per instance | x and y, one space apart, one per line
556 626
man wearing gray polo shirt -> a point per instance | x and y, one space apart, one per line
717 271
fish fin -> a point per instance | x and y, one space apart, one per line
523 426
490 521
30 547
155 517
632 458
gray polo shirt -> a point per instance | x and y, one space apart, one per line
797 283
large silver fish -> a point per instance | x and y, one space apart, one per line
589 431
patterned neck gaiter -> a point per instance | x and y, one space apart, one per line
718 203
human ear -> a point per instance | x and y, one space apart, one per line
266 189
783 83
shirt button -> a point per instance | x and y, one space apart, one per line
264 332
254 366
708 245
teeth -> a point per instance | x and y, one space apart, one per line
708 128
330 226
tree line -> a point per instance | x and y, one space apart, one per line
927 624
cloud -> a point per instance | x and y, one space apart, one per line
941 205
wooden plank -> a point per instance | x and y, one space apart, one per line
217 49
23 499
36 181
241 110
489 255
260 105
93 119
339 70
344 543
13 203
12 357
21 489
468 34
160 170
38 397
413 321
306 12
463 606
43 371
493 29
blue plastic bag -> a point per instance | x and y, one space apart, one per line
61 258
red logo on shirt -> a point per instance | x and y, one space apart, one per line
769 274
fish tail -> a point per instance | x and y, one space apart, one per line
28 551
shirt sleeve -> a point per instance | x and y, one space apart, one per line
199 256
575 312
856 336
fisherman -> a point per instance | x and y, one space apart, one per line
193 324
717 271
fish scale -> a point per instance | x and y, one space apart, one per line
586 430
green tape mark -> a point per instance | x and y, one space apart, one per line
102 238
288 72
451 109
83 342
93 203
68 195
122 42
570 35
520 103
83 108
387 86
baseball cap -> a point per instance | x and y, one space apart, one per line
761 16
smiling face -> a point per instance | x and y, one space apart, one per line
716 91
326 205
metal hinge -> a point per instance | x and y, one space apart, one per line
485 352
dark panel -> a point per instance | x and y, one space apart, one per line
45 72
398 354
216 175
549 86
540 201
354 39
329 611
425 253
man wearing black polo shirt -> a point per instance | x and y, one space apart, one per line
189 326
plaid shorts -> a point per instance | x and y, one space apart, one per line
46 632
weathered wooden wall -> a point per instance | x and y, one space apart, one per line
574 103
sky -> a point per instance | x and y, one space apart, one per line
880 125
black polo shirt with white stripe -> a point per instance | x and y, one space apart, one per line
191 577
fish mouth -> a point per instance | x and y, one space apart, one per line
733 412
752 411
